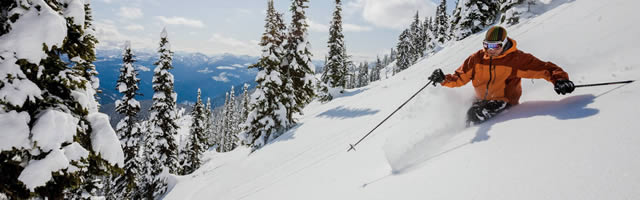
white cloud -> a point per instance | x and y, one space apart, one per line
394 14
224 77
181 21
206 70
224 44
355 28
110 37
238 65
130 13
317 27
134 27
225 67
143 68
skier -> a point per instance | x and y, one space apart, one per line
496 71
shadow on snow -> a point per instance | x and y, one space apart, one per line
341 112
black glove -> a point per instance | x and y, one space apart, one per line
564 87
437 77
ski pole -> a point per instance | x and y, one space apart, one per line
353 146
609 83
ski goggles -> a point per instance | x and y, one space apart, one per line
494 44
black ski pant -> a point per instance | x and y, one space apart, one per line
482 110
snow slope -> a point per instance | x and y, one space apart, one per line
579 146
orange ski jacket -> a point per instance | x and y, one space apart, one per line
498 78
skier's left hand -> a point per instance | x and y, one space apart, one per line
564 87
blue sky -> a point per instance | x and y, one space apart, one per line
371 27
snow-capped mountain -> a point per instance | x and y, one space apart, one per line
580 146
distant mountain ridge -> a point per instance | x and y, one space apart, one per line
213 74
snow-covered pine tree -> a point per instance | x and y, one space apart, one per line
358 82
231 116
442 21
363 74
163 150
163 109
417 40
195 146
433 34
375 72
209 124
152 184
268 109
473 17
218 129
244 108
335 70
385 60
404 52
224 126
393 55
456 15
352 75
50 107
297 63
79 46
128 128
83 64
512 10
427 34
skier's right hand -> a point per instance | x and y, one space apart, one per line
564 87
437 77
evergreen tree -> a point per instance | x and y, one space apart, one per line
442 21
335 70
427 34
352 75
225 129
85 40
513 10
153 183
393 55
163 127
209 123
404 52
375 72
297 63
195 145
231 125
385 61
127 128
417 40
473 17
270 101
51 107
363 74
433 35
455 19
244 111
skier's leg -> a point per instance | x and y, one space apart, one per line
483 110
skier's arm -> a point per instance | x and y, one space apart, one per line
462 75
534 68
